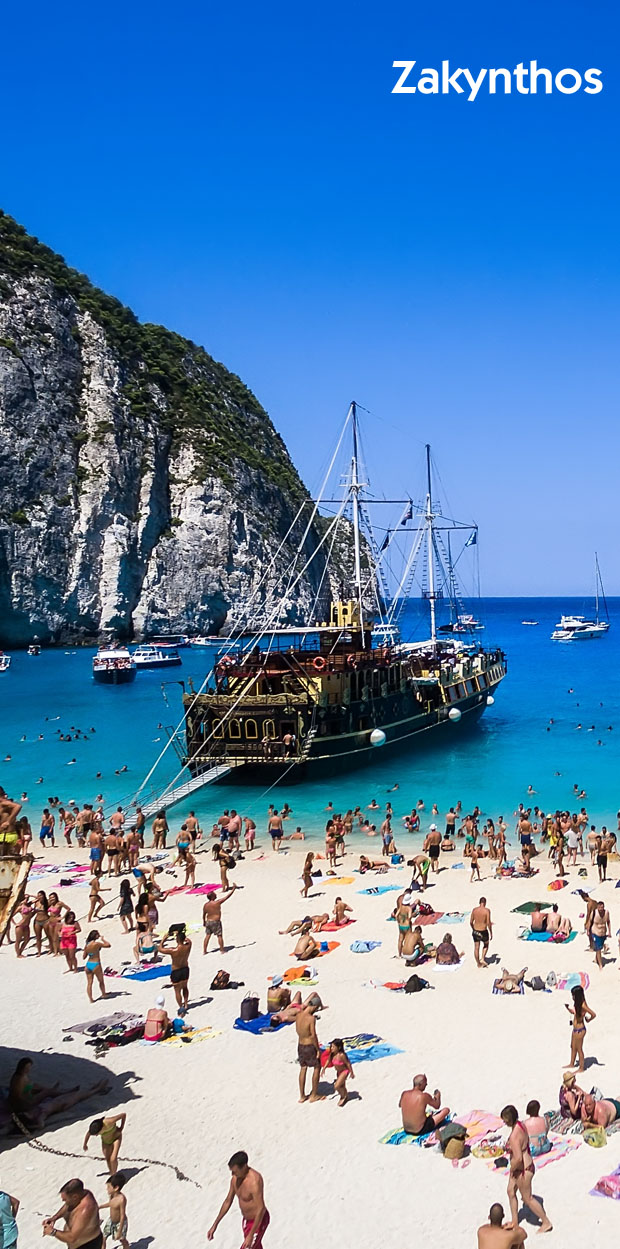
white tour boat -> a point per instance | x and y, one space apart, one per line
148 656
113 665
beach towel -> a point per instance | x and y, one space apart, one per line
338 880
367 1047
399 1137
397 986
104 1021
188 1038
331 945
455 917
527 908
428 919
258 1026
295 975
608 1186
445 966
547 936
557 884
504 992
364 947
572 980
480 1124
559 1149
376 890
148 973
332 926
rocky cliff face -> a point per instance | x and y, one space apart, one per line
143 489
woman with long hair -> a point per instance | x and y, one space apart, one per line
307 875
41 920
125 909
580 1015
521 1170
69 929
93 946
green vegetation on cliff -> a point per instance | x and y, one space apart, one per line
205 406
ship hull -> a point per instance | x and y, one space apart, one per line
333 756
115 676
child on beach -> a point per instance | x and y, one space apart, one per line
116 1227
475 869
111 1132
336 1057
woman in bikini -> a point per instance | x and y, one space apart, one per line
95 943
403 918
21 926
580 1015
307 875
96 902
336 1057
55 909
521 1170
110 1132
41 920
69 929
125 908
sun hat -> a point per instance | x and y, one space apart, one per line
568 1077
433 828
277 981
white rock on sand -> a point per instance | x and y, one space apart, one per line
328 1180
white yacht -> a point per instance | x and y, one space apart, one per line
580 628
113 665
5 662
148 656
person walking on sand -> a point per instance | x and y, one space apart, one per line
308 1050
212 917
81 1214
179 975
247 1186
581 1014
481 931
116 1227
110 1130
499 1235
93 946
521 1171
336 1057
600 930
307 875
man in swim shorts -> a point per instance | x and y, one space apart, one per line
179 976
414 1105
308 1049
247 1186
47 827
432 846
212 917
600 930
81 1214
481 931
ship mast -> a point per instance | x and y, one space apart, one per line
356 486
430 516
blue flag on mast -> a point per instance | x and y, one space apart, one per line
472 539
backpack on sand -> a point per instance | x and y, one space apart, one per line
415 984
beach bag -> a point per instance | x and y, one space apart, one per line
397 858
596 1137
415 984
220 980
452 1140
552 980
455 1148
249 1007
537 983
425 908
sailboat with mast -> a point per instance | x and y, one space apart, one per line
320 698
579 628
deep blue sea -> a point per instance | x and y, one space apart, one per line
514 744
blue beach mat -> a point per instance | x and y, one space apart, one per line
149 973
547 936
257 1026
367 1047
378 889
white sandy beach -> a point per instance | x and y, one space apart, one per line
328 1180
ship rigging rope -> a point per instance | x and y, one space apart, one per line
274 615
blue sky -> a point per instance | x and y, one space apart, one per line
244 175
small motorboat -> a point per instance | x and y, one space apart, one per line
5 662
170 641
204 641
155 657
35 649
529 622
113 665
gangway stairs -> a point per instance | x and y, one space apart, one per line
170 797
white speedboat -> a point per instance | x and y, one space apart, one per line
529 622
5 662
170 641
579 628
113 665
148 656
35 649
204 641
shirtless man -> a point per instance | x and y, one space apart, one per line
112 847
81 1214
234 828
308 1051
247 1186
420 864
600 930
191 823
602 1112
84 823
450 822
481 931
306 946
159 829
212 917
117 820
341 910
296 925
179 975
432 846
274 828
250 832
590 909
140 825
414 1104
499 1235
95 845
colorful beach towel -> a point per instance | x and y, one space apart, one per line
608 1186
479 1125
504 993
92 1026
295 975
338 880
332 926
258 1026
547 936
399 1137
376 890
572 980
191 1038
367 1047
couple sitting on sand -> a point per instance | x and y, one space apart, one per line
593 1111
550 921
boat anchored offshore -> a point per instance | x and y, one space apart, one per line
113 665
5 662
579 628
35 649
155 657
170 641
295 703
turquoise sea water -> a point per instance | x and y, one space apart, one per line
491 764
